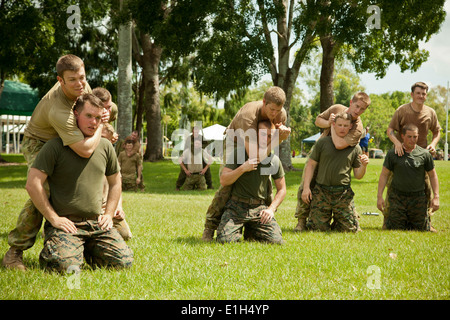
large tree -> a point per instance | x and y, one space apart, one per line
374 37
250 38
164 32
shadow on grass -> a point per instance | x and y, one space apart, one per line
13 176
192 240
161 177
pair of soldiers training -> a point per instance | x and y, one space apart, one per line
73 179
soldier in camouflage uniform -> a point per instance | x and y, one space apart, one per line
191 162
408 209
246 207
358 105
130 166
332 196
245 121
52 117
425 118
74 226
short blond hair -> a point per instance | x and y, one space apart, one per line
343 115
275 95
362 96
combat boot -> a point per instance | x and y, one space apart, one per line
301 225
13 259
208 235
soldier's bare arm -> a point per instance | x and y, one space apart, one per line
381 185
35 188
309 171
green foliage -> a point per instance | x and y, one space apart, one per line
404 24
34 35
25 34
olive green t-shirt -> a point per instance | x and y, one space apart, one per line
335 165
76 183
253 184
53 117
129 165
409 169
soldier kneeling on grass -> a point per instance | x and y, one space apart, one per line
192 163
408 202
74 229
247 205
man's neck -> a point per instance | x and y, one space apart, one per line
67 95
262 113
417 106
408 150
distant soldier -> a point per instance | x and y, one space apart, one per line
332 196
130 167
189 142
191 163
408 207
247 206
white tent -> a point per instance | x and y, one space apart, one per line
214 132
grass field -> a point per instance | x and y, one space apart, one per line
172 263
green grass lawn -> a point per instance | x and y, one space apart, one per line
172 263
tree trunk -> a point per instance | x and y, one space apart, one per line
282 74
124 90
140 104
329 48
150 65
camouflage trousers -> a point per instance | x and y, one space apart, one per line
100 248
29 221
302 209
428 194
195 182
332 203
408 211
129 184
238 216
221 197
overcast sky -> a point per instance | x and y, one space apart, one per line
434 72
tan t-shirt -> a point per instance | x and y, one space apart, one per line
356 131
248 116
53 117
425 120
194 163
129 165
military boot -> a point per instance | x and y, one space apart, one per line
208 235
13 259
301 225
